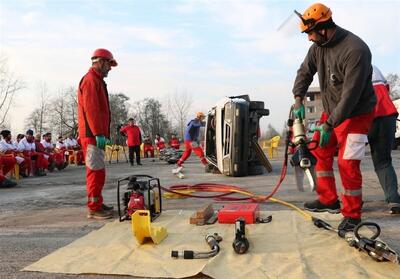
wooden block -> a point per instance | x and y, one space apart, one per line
193 219
205 212
212 219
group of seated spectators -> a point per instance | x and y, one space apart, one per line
35 155
160 144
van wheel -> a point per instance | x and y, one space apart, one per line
254 105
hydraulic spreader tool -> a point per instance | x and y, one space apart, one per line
302 159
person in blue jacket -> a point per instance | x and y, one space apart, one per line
192 141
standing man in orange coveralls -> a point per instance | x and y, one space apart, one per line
94 128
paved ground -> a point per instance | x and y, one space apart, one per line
43 214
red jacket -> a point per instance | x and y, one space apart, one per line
133 134
39 147
174 143
94 114
384 105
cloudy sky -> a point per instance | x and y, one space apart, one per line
209 49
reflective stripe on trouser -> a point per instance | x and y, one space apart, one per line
188 150
95 172
350 138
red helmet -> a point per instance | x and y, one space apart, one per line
106 54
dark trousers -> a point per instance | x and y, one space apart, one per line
381 137
136 149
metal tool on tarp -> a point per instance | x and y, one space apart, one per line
212 240
376 249
302 159
240 243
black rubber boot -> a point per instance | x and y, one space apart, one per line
317 206
7 183
347 225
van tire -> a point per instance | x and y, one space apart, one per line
256 105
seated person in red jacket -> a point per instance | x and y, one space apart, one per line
8 147
134 140
7 158
61 148
160 142
56 159
148 148
35 161
40 149
74 150
174 142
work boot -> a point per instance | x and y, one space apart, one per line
177 169
51 167
40 172
99 214
7 183
106 207
347 225
317 206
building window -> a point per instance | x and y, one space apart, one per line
310 97
310 109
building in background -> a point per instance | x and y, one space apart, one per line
313 106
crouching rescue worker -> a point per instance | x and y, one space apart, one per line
192 141
94 129
343 63
174 142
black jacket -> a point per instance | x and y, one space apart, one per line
344 72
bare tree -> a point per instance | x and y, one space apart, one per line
33 120
119 114
38 118
63 113
178 105
9 87
42 106
148 114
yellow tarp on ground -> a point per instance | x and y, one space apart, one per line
288 247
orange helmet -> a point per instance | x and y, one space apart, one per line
200 114
314 16
105 54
